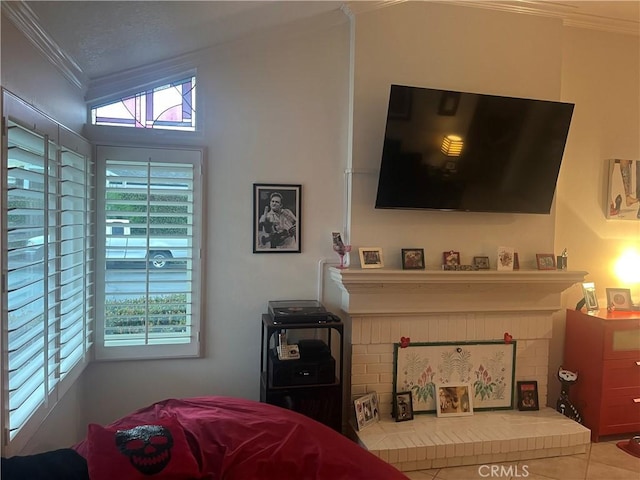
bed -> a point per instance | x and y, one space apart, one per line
206 438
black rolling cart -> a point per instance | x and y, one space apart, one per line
311 384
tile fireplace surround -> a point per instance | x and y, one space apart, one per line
383 305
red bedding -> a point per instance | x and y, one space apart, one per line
237 439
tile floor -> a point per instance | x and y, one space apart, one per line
602 461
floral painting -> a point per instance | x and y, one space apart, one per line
487 366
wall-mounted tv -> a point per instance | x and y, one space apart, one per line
449 150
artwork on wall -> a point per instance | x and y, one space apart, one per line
276 218
624 189
488 367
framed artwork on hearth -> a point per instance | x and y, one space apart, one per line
454 400
487 366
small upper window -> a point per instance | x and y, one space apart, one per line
169 107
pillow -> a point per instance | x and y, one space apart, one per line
62 464
138 452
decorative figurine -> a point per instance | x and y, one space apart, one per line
564 405
340 248
561 261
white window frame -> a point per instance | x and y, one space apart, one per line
177 349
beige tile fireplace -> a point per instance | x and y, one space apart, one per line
383 305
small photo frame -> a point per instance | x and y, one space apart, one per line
482 263
371 257
276 218
451 258
527 395
506 258
403 406
590 299
413 259
546 261
366 409
619 298
454 400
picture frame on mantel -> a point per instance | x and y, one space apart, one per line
413 259
546 261
506 256
371 257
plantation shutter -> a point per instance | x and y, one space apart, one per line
149 233
47 265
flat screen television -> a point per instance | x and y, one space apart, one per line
449 150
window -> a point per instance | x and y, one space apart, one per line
47 265
149 228
168 107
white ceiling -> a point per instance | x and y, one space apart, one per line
105 37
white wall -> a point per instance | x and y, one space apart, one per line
278 110
27 73
275 112
458 48
601 75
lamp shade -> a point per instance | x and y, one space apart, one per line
452 145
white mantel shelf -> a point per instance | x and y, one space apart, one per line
386 290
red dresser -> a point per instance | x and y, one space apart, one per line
604 349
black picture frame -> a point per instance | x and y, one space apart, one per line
413 259
277 231
527 395
403 406
482 263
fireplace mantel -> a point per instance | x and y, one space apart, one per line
384 291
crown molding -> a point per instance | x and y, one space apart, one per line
568 13
27 22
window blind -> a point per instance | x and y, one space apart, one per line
149 220
47 265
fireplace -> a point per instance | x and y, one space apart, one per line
383 305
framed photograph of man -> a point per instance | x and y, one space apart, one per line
276 218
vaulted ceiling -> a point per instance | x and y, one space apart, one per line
99 38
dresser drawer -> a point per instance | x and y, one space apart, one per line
621 373
620 414
621 339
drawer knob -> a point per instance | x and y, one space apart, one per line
636 400
638 363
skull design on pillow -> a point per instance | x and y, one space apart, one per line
147 446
